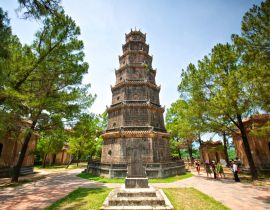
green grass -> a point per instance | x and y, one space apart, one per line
101 179
82 198
192 199
181 199
171 179
122 180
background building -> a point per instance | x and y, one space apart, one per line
10 148
258 131
212 150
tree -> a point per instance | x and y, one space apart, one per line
179 124
83 140
50 82
39 8
255 43
51 143
52 136
223 90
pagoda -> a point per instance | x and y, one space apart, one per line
135 117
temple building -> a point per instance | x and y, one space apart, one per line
258 131
212 151
10 148
135 117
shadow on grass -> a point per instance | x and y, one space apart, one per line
82 198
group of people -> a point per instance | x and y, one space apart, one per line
217 169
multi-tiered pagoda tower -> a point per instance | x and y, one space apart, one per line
135 118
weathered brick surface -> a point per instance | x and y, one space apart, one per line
135 107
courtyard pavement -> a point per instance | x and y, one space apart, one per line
42 193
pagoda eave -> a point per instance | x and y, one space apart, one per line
145 105
135 134
137 65
135 83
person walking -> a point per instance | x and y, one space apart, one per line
220 170
235 171
207 168
213 166
197 165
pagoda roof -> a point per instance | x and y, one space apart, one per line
137 65
135 52
131 133
135 103
134 83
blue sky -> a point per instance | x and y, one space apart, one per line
178 32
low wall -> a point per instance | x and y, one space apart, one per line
153 170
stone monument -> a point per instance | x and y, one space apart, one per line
136 175
135 117
136 194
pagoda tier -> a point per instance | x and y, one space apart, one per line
135 117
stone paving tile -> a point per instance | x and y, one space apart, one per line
231 194
42 193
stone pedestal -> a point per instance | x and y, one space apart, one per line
137 199
136 182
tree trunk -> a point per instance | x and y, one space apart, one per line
179 154
225 143
69 162
200 143
199 139
253 169
44 160
79 158
190 153
18 166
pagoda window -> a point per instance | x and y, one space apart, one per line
118 98
110 152
121 78
114 124
1 148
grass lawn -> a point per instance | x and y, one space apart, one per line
192 199
122 180
82 198
181 199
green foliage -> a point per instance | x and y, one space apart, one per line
231 83
255 42
84 138
42 81
231 153
38 8
51 143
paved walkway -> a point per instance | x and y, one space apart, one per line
234 195
42 193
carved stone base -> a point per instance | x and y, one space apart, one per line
137 199
131 182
